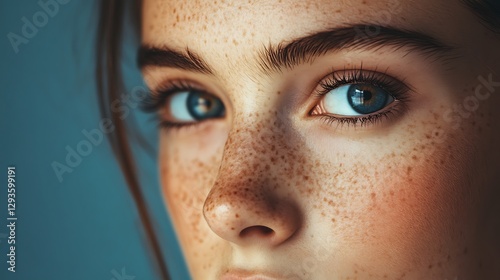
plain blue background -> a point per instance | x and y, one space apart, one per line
85 227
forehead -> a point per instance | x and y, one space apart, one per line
245 22
225 31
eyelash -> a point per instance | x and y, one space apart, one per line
155 100
396 88
157 97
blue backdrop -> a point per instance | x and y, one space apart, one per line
82 223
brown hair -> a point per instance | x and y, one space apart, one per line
110 84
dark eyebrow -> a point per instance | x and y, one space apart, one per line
154 56
302 50
273 58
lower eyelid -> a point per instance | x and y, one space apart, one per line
395 110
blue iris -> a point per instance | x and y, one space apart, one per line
204 106
366 98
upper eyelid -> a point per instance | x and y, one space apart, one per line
158 94
382 79
165 89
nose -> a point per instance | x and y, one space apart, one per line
249 203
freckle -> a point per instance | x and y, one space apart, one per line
237 215
338 11
373 195
430 266
414 157
333 220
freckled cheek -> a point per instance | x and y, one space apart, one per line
186 183
189 165
187 177
413 211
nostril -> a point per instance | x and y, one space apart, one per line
258 231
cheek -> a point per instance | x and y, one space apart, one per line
186 182
408 205
189 165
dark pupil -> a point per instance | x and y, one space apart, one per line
366 99
203 106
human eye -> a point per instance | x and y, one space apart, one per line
359 97
180 104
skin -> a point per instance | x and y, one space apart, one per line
272 190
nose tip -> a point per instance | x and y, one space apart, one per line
262 222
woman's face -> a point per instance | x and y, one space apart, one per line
304 141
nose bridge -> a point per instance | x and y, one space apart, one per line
255 146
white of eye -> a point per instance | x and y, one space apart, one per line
336 102
178 107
